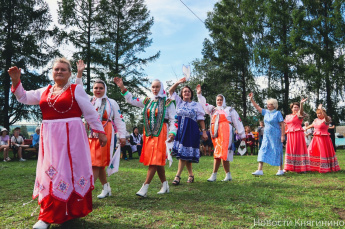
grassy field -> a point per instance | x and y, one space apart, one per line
290 201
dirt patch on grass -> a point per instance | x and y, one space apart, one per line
340 212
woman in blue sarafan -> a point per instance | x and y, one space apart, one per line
187 141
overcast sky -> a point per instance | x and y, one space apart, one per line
176 32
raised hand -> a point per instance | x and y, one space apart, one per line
81 68
303 100
118 81
198 89
182 80
320 107
14 73
80 65
251 95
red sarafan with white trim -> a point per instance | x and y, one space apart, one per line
296 155
64 179
321 150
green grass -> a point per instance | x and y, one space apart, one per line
293 197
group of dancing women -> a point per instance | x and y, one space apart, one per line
71 159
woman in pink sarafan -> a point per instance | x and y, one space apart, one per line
64 179
296 154
321 151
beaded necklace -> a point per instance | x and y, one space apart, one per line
51 99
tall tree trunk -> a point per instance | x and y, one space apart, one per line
8 53
88 57
117 70
244 93
286 72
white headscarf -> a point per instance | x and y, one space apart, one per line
224 102
161 92
97 102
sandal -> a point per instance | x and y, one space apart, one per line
190 179
177 182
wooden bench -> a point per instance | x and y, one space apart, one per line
27 152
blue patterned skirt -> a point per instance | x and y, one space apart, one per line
187 140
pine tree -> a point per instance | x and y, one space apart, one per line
125 38
227 56
81 28
319 38
24 36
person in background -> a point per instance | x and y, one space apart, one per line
261 130
19 130
256 142
36 138
136 141
127 148
17 143
249 140
271 151
208 145
308 133
237 139
5 144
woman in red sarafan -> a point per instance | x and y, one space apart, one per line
296 154
321 151
64 180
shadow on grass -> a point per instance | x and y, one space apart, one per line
85 224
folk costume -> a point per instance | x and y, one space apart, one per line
296 154
321 151
187 141
112 120
271 150
221 131
64 179
158 112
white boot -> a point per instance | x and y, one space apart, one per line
105 192
165 188
41 225
280 173
227 177
258 173
143 191
213 177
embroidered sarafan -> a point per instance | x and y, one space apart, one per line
154 113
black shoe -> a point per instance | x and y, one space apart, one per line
177 182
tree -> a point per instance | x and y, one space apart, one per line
111 36
24 37
227 56
319 38
274 50
81 27
125 36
